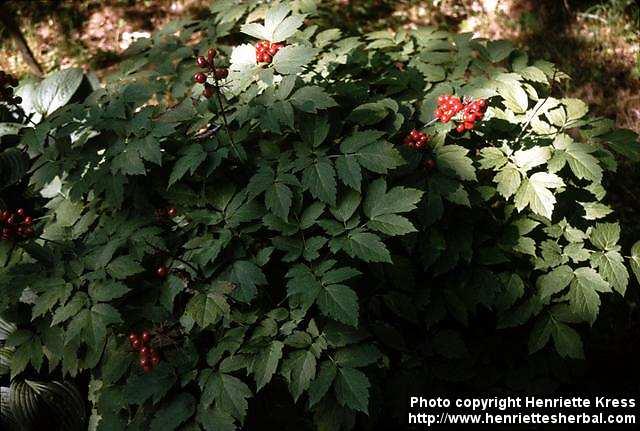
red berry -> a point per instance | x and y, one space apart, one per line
429 164
27 220
211 54
145 362
4 215
12 219
136 344
133 336
161 271
146 336
172 212
144 352
208 91
482 103
414 134
200 78
460 128
147 369
155 360
468 125
202 62
221 73
28 231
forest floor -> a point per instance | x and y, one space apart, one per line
596 42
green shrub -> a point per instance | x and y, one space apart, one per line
291 236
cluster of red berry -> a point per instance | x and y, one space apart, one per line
16 224
416 139
149 358
6 92
265 51
449 106
209 64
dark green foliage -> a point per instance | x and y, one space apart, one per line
309 249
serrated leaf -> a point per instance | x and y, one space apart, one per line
368 247
583 294
321 384
299 369
169 418
610 265
311 99
321 181
352 389
207 308
123 267
605 236
291 59
278 199
555 281
192 157
340 303
454 158
266 363
534 192
508 180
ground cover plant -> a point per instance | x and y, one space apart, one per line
257 214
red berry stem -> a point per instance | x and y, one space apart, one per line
212 65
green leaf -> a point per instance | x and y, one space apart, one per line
605 236
595 210
299 369
368 247
57 90
123 267
229 393
349 171
340 303
192 157
142 387
392 224
291 59
107 291
321 384
352 389
515 98
207 308
576 108
610 264
499 50
454 158
508 180
635 260
347 206
555 281
278 199
169 418
380 202
92 323
582 164
359 355
528 159
534 192
567 341
56 290
248 275
266 363
312 98
320 179
583 295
